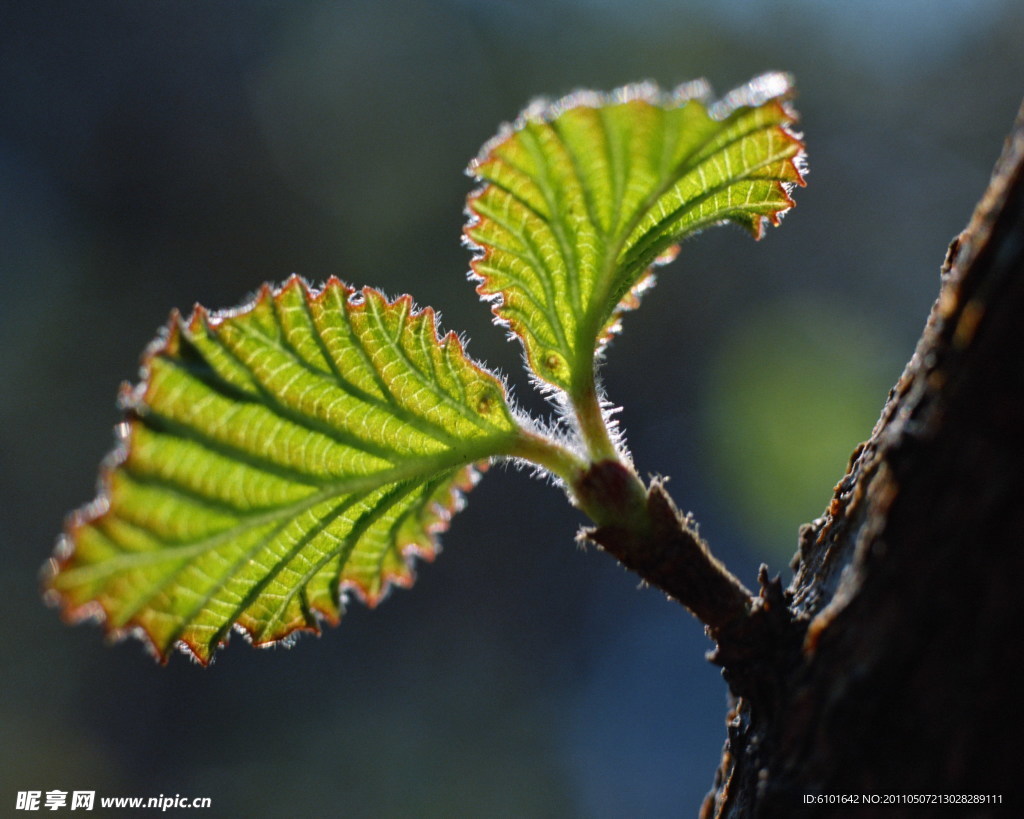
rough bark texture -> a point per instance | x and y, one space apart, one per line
907 674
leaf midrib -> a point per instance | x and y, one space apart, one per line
611 271
421 469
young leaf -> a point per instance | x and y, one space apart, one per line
274 457
582 197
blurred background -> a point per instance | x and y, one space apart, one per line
157 154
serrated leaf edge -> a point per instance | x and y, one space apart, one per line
131 397
774 85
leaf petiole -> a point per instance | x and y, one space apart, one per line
593 427
544 452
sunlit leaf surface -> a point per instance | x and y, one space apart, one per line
581 197
273 458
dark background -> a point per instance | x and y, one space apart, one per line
160 153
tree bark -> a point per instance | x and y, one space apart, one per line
905 611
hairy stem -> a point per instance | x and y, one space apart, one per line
646 533
552 456
592 425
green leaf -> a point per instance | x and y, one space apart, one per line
272 459
582 197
